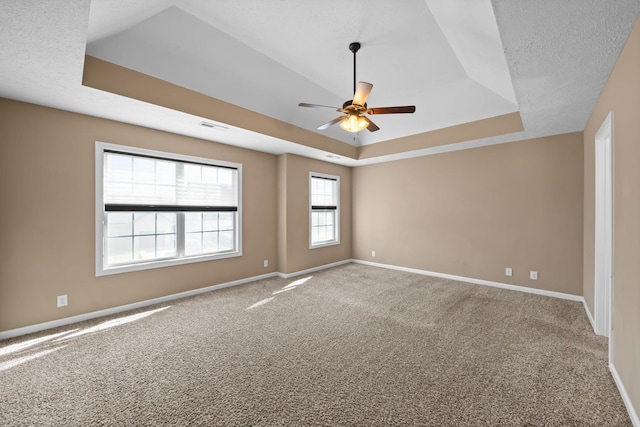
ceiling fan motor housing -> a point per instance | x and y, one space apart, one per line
349 103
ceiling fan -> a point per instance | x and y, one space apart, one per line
354 120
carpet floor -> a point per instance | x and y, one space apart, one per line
348 346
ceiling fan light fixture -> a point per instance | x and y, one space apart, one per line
354 123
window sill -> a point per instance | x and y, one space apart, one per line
106 271
324 244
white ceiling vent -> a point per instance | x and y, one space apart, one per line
213 126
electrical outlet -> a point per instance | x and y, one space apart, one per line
62 300
266 263
373 253
508 271
533 275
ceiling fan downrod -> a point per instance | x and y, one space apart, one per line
354 47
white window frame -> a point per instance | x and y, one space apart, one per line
336 240
100 223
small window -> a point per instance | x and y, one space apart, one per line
324 226
156 209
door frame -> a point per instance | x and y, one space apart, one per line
603 266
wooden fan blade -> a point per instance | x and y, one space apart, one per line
372 127
392 110
332 122
362 92
304 104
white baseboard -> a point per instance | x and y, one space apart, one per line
476 281
589 315
114 310
635 420
314 269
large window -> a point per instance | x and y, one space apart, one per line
156 209
324 210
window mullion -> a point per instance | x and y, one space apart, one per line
105 240
180 233
180 216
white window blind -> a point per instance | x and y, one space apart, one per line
140 180
324 192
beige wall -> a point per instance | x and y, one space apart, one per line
294 239
47 216
472 213
622 96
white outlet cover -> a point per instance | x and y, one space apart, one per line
533 275
508 271
373 253
62 300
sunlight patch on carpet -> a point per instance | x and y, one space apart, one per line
113 323
14 348
298 283
261 302
20 360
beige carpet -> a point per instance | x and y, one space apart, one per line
349 346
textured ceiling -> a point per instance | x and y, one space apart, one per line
457 61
